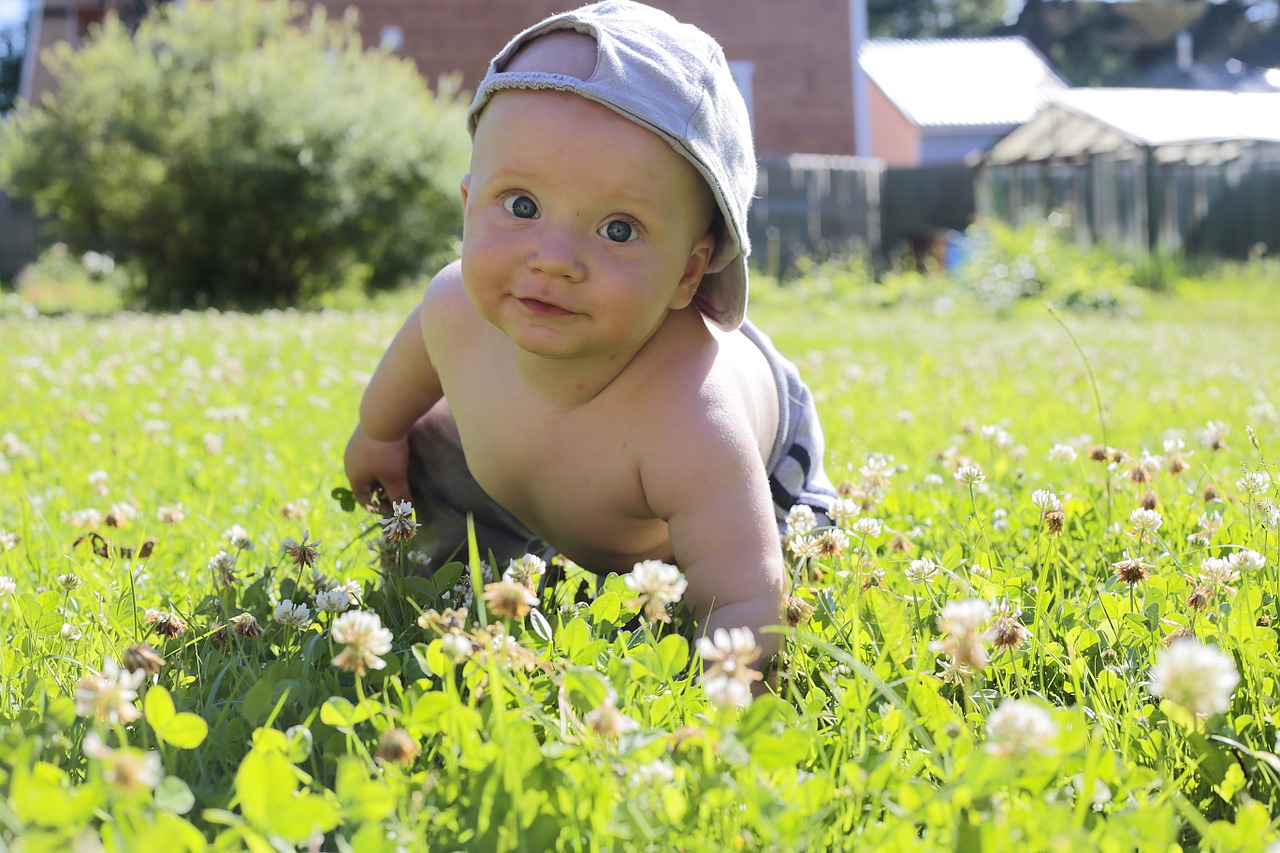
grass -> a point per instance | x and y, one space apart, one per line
179 428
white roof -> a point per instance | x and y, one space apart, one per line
1095 121
982 82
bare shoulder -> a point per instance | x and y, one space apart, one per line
446 293
708 403
446 310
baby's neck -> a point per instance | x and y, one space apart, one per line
569 383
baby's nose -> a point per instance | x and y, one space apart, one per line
558 253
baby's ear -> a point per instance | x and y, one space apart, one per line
694 269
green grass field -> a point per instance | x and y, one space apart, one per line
1017 691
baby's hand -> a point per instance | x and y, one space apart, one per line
374 465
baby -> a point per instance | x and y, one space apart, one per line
583 378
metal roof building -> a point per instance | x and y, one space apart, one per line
1177 125
1157 169
941 100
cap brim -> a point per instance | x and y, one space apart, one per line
722 296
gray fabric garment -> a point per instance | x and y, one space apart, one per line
444 492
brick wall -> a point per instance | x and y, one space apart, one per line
800 49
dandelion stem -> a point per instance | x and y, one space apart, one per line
1097 398
991 556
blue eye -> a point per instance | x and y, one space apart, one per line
619 231
520 206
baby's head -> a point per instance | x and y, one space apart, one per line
671 79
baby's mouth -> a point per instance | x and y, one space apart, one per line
543 309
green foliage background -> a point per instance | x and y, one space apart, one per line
242 154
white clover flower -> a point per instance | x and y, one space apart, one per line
1210 522
292 615
108 696
84 518
964 617
1213 435
655 775
932 479
800 520
128 768
1200 678
1145 521
238 537
525 570
921 571
970 475
1045 500
400 526
332 601
364 638
1062 453
1254 483
843 511
656 584
607 721
805 547
171 514
727 692
456 646
727 674
223 566
1150 462
1218 571
1247 559
1019 726
121 514
352 588
868 528
1004 608
7 586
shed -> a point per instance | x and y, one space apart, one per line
1153 169
1176 125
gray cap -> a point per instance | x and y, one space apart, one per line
670 78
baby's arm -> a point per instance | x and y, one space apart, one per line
404 386
705 477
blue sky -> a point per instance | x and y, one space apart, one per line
12 10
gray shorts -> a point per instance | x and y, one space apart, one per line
444 491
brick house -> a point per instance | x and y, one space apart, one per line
793 62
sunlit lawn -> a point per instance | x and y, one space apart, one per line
178 429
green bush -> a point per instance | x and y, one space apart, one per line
242 155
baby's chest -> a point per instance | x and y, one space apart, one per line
539 464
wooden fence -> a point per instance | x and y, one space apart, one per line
816 205
1224 207
20 241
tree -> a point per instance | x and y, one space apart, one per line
908 19
11 53
242 154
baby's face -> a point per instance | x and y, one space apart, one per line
581 228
